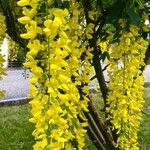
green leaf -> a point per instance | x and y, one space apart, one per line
115 12
139 2
43 9
104 56
61 4
5 4
107 3
134 16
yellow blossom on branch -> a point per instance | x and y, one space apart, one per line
125 96
54 60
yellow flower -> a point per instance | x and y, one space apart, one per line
24 20
49 27
60 13
53 58
23 2
89 30
40 145
134 30
35 46
32 30
29 12
33 80
103 46
55 146
125 88
37 71
146 28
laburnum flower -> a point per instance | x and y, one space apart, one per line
103 46
125 96
146 23
35 46
32 3
2 35
23 2
32 30
2 28
54 59
89 30
29 12
24 20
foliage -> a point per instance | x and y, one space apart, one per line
16 53
148 62
13 52
2 35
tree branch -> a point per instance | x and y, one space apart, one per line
12 30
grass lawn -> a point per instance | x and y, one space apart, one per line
144 134
15 129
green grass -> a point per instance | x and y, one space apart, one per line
148 62
15 129
144 133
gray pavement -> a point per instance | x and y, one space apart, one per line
147 73
15 83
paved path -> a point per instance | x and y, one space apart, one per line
147 73
16 85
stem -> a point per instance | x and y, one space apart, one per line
95 129
96 60
100 75
102 127
94 138
101 81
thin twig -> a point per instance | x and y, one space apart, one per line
105 67
94 77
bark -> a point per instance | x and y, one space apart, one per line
94 119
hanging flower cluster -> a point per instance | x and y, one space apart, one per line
2 28
58 72
2 35
13 50
125 96
146 23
